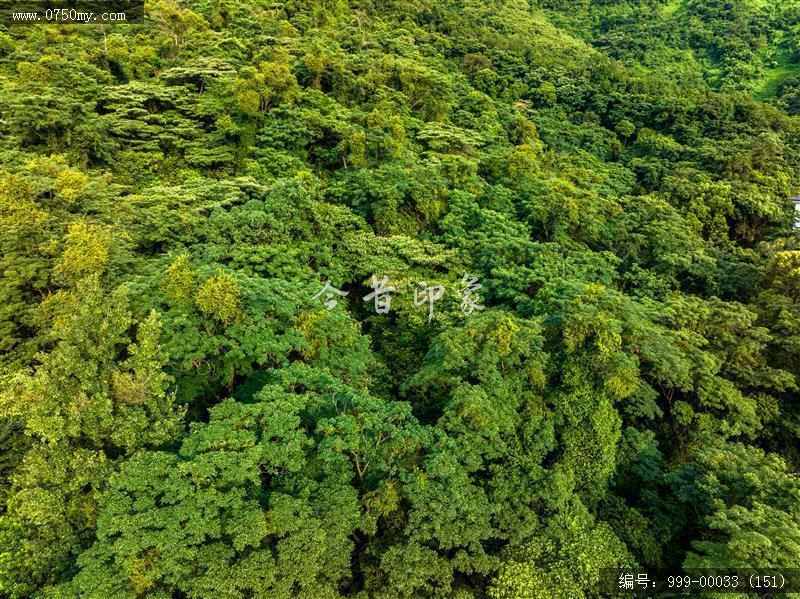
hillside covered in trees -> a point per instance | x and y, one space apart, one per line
586 350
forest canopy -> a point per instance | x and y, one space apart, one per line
398 298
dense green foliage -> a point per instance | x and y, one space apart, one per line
181 417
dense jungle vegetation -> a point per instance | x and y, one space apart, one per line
182 416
